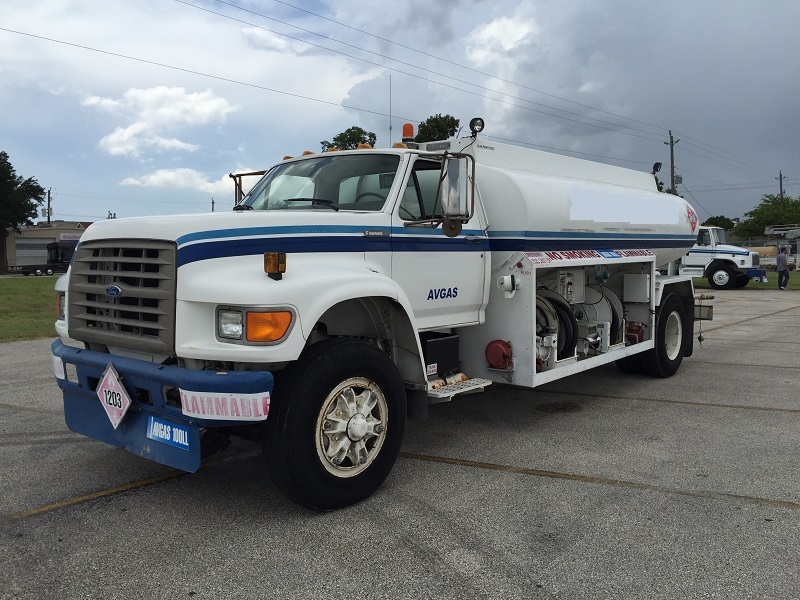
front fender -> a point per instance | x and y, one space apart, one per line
311 285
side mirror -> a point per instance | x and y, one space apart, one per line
456 194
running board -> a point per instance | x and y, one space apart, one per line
447 392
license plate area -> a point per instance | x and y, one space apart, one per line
169 433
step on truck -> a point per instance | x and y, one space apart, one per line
724 265
351 289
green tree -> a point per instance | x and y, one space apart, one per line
437 127
350 139
19 201
720 221
771 211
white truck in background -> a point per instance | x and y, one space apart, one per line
724 265
350 289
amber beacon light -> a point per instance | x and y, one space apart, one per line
275 264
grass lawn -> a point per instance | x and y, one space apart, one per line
27 308
794 282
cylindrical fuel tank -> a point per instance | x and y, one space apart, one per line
537 201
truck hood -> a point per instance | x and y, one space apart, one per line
728 249
186 228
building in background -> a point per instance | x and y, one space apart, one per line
29 247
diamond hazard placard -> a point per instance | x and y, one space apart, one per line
113 397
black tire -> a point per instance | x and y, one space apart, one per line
666 357
630 365
722 277
333 377
741 281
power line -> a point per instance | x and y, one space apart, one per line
462 66
722 159
193 72
126 198
728 163
689 141
696 201
625 160
421 78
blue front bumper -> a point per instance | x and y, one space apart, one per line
154 391
757 274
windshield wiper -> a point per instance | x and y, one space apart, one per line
315 201
242 207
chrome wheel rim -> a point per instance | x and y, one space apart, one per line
351 427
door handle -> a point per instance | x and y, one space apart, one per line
473 238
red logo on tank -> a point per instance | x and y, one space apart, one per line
692 216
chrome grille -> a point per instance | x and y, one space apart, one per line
122 293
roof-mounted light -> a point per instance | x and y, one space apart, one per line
408 132
476 126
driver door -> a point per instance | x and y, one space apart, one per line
443 277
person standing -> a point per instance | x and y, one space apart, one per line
783 269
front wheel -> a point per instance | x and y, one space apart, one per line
722 278
336 424
665 358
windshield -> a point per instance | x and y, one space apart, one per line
338 182
721 239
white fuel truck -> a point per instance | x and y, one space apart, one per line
350 289
724 265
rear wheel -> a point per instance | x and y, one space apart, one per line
336 424
722 278
666 357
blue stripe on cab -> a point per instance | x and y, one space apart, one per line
207 245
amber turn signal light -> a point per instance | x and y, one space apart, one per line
267 326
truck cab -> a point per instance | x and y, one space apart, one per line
724 265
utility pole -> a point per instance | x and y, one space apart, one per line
671 143
780 179
48 206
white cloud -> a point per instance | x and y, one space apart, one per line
266 40
491 43
182 179
154 111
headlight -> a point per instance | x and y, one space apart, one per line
60 299
230 324
257 326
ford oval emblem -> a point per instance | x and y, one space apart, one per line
113 291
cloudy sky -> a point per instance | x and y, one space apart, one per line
144 107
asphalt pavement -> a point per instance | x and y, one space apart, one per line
601 485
